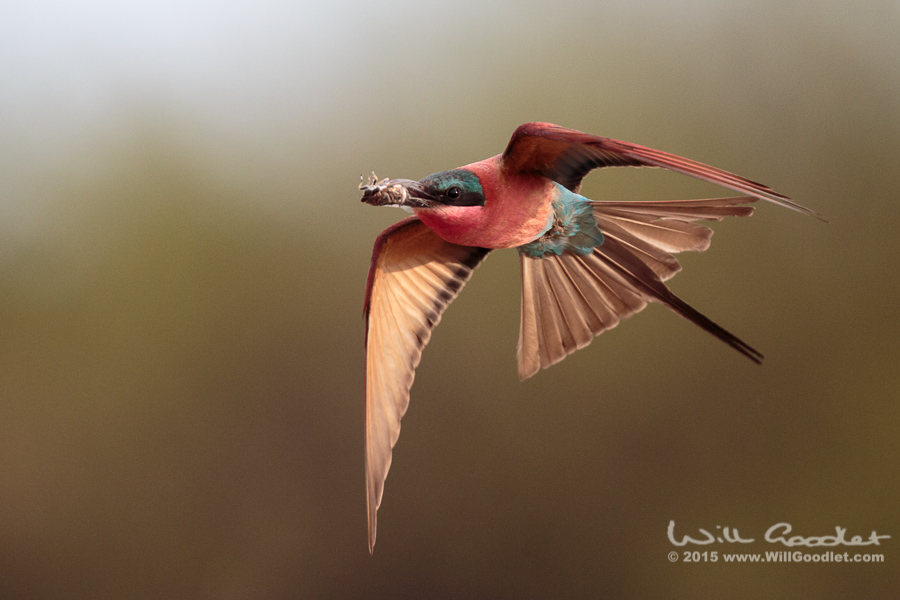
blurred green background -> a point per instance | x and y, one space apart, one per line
183 256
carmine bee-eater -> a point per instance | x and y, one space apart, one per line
585 265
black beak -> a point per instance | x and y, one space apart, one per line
399 192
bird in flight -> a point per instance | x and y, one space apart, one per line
585 265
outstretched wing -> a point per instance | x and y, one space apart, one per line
567 155
568 299
413 278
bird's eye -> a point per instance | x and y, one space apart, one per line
454 193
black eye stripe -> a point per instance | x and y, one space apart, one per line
461 198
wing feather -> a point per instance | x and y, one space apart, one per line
413 278
568 299
567 155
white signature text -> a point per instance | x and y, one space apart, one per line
776 534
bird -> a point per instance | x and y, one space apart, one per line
585 265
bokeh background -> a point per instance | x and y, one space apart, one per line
183 256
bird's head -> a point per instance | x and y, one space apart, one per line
458 187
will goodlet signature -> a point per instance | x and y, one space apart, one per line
776 534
